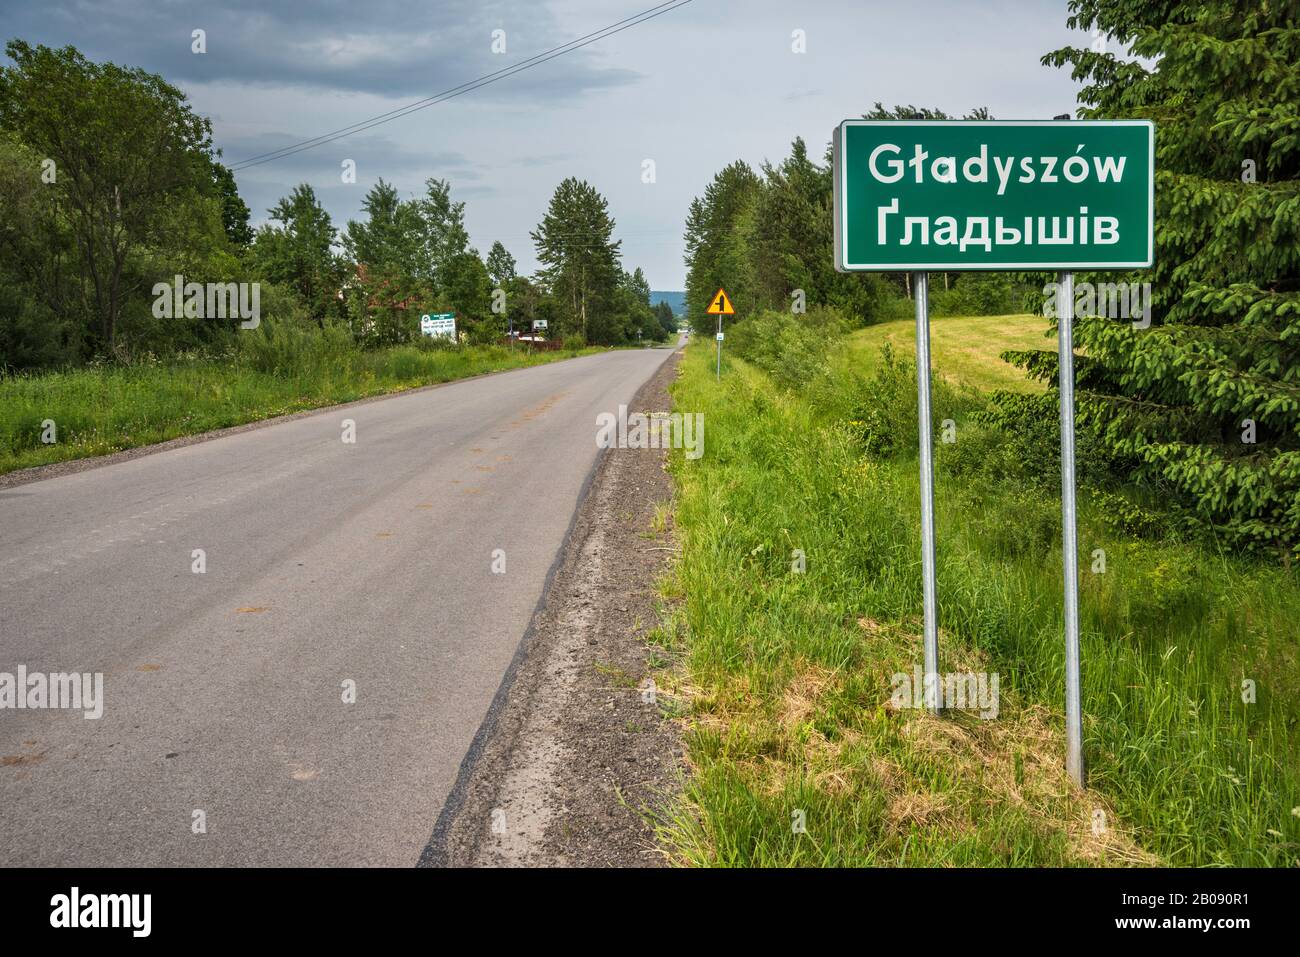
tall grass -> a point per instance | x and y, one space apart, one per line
788 673
280 369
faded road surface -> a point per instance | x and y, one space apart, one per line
326 563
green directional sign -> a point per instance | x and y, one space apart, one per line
956 195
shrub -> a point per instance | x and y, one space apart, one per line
792 349
290 347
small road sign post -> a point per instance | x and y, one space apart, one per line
720 306
1015 195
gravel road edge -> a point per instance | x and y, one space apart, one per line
575 754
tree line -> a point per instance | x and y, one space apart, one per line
1197 415
110 184
766 236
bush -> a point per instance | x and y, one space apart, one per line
975 294
883 410
291 347
970 294
883 415
792 349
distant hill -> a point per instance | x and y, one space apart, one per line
676 301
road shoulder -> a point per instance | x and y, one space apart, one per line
579 751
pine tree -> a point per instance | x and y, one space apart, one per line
638 318
384 252
717 254
581 260
665 318
388 239
1205 404
500 265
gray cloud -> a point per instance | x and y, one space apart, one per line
693 90
385 47
548 159
376 153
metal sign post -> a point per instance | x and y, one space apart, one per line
719 348
721 306
1069 539
921 289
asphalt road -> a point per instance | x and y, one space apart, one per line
326 563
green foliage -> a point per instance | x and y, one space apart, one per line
500 265
961 294
792 349
109 185
466 289
715 244
1126 516
1172 401
440 223
288 364
639 322
234 211
768 241
128 160
789 671
666 320
412 256
388 241
39 325
581 263
523 297
975 294
292 346
884 412
296 250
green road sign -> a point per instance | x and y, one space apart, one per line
956 195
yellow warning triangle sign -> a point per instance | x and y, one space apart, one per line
721 305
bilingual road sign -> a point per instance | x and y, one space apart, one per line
951 196
721 305
957 195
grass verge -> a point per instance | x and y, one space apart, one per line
797 754
97 411
963 349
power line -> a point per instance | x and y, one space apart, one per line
463 88
429 101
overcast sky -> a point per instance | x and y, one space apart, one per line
694 89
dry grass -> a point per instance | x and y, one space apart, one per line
778 741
